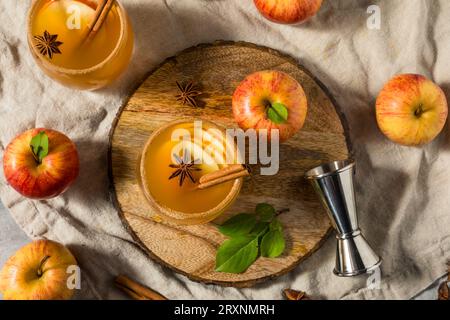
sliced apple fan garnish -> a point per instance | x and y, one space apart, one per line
209 150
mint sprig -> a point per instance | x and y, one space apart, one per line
39 146
251 236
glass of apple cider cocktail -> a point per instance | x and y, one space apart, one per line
83 44
174 175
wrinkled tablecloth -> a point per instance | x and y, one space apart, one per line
402 193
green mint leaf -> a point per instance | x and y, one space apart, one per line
238 225
39 146
276 225
237 254
272 244
265 211
277 113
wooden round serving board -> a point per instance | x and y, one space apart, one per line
217 69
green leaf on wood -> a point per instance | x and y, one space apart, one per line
272 244
238 225
265 211
259 229
237 254
251 235
276 225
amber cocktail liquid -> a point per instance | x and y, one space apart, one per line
57 35
167 188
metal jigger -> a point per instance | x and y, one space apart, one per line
333 182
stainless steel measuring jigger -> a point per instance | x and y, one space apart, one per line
333 183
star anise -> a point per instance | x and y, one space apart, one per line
184 167
187 94
47 44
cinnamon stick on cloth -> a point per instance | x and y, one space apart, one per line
136 290
444 288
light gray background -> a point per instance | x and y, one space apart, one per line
12 238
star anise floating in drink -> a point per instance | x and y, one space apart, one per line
47 44
188 94
184 168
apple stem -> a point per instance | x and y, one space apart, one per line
419 111
40 272
35 156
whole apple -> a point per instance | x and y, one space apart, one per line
411 110
38 271
41 171
288 11
270 100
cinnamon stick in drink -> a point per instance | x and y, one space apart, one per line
225 174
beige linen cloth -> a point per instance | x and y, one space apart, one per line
403 193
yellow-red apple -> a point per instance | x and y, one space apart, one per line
270 100
288 11
411 110
37 174
38 271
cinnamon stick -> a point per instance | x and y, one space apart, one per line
234 168
136 290
444 288
131 293
223 175
98 11
101 13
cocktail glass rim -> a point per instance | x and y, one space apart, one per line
49 65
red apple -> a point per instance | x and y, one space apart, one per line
288 11
411 110
41 178
38 271
259 99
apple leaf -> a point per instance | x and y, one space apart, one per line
265 211
237 254
272 244
277 113
251 235
276 225
240 224
260 229
39 146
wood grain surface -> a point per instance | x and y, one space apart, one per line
217 69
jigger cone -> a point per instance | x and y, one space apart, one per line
333 182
